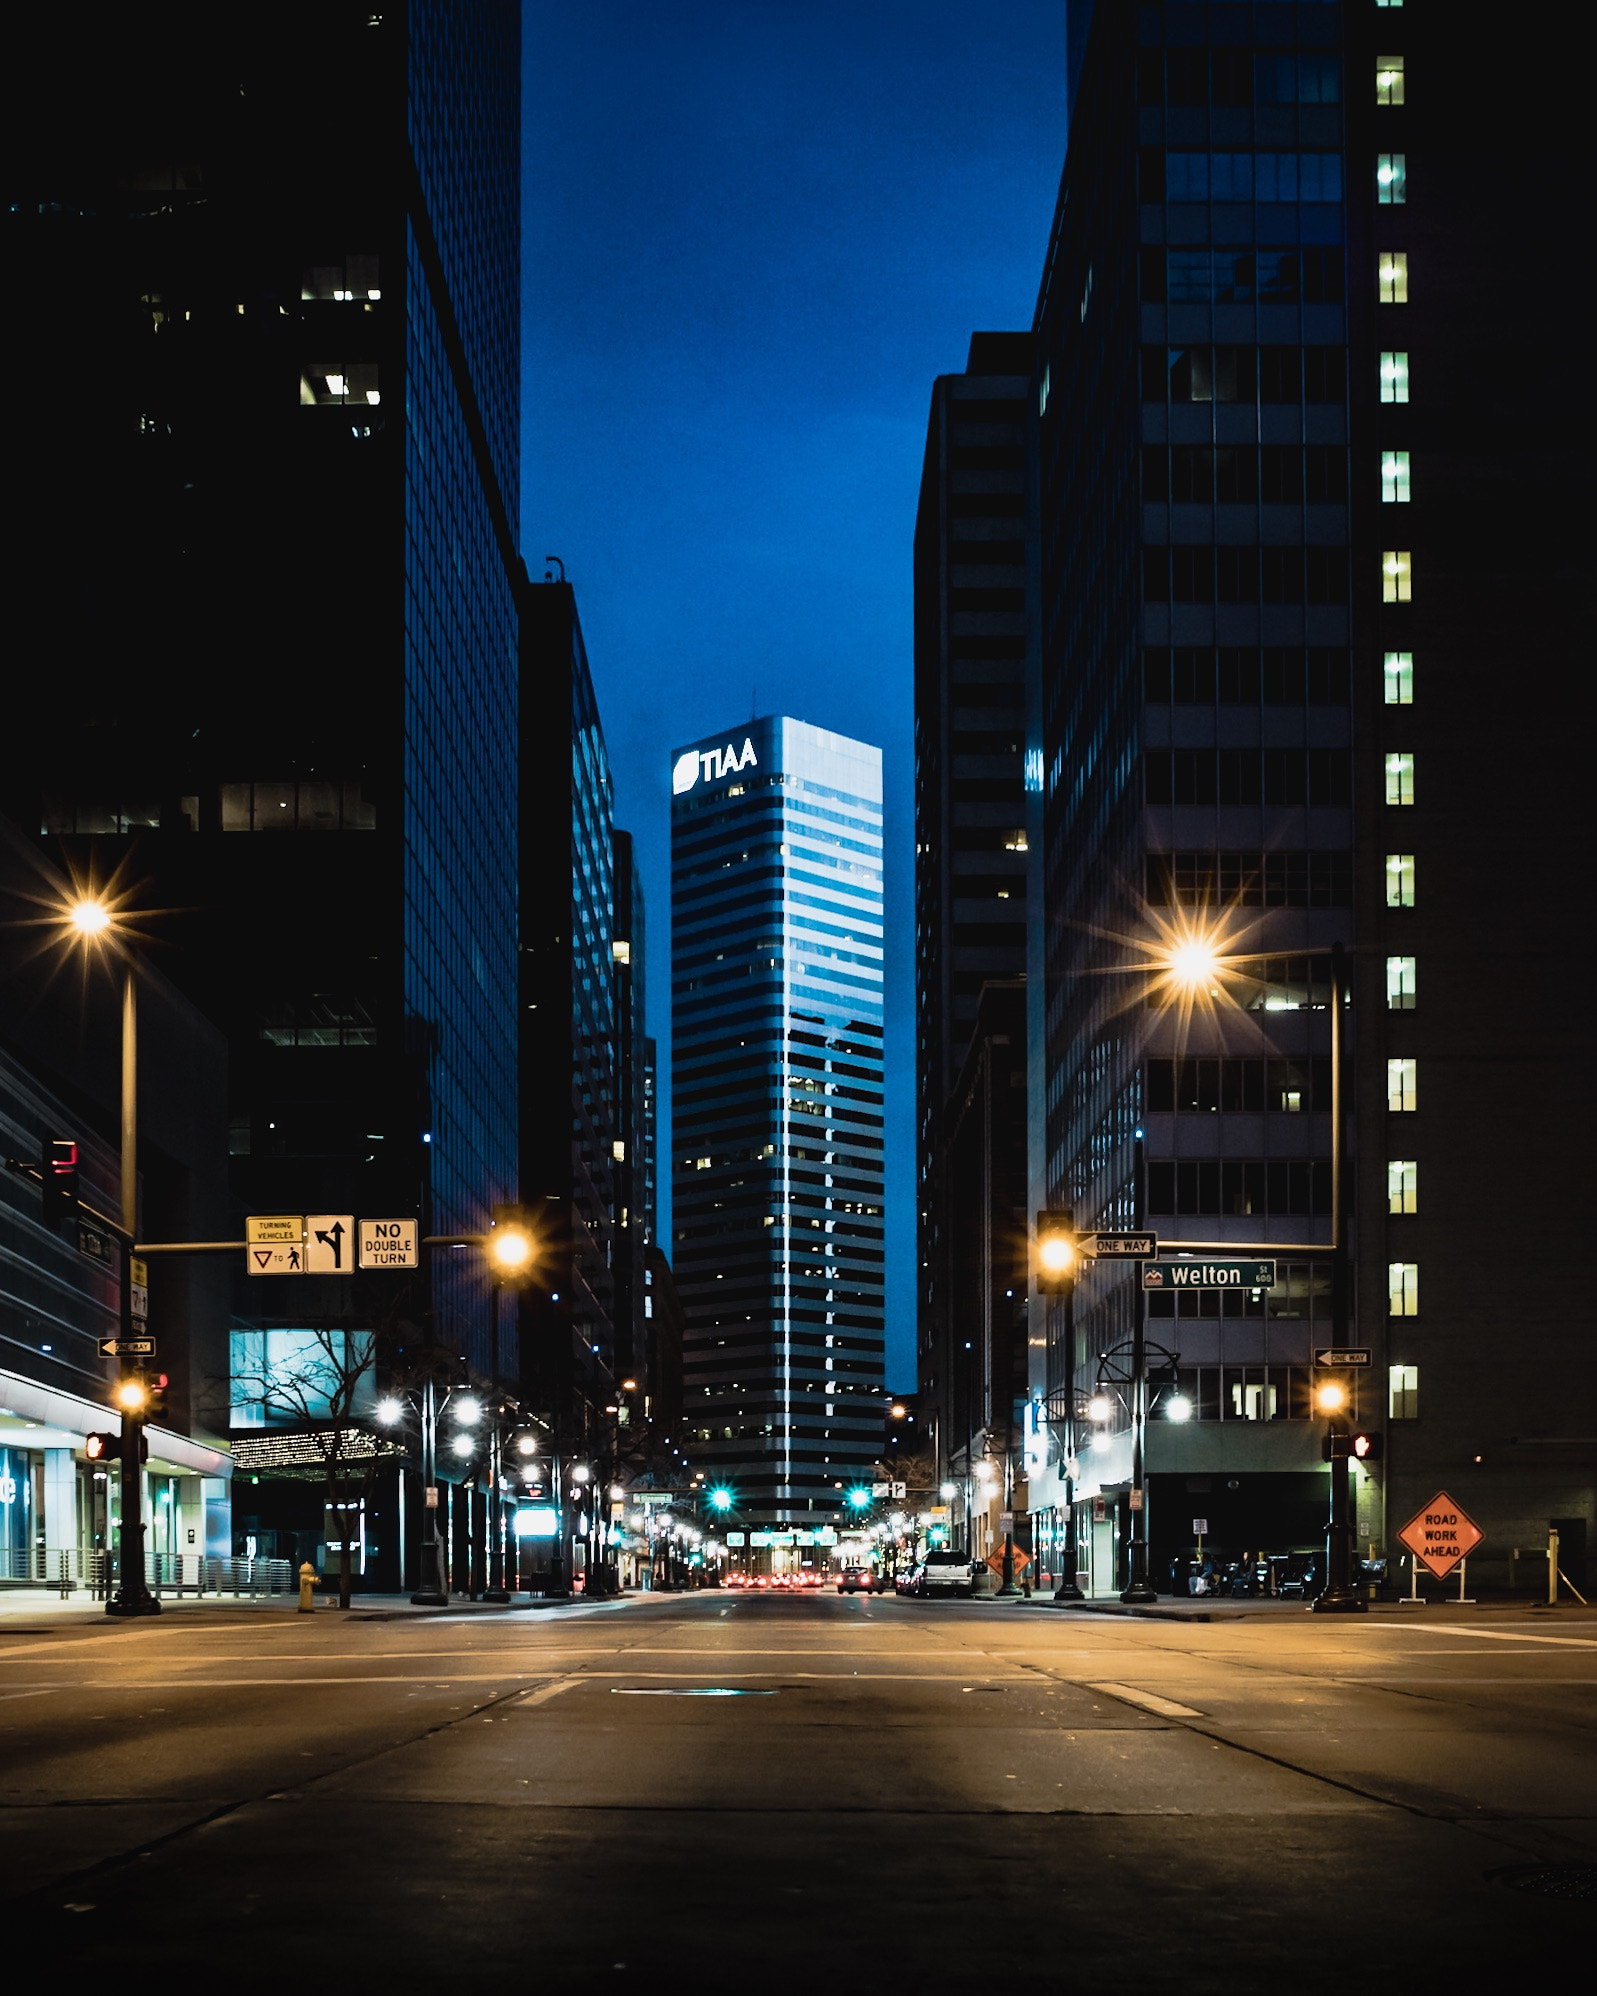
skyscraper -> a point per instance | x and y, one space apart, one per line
777 1110
975 628
281 260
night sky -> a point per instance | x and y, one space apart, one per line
754 233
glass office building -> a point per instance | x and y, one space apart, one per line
777 1112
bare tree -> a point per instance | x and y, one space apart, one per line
320 1384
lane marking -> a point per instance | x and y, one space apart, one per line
1473 1635
1149 1701
547 1691
44 1691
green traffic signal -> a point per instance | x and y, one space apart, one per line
859 1498
721 1499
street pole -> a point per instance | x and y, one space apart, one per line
132 1596
498 1588
1068 1588
1138 1589
1339 1596
430 1589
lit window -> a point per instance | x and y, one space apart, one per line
1400 984
1403 1393
1402 1086
1398 677
1389 79
1397 580
1403 1288
1399 778
330 384
1402 1186
1394 478
1394 377
621 952
1391 179
1394 277
1015 842
1400 880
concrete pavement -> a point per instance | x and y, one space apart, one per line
724 1792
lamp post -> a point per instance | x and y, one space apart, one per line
91 919
1193 964
1139 1590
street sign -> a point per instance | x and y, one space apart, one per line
900 1491
1020 1559
1200 1528
95 1245
1341 1356
389 1244
329 1243
1126 1247
275 1258
1442 1534
263 1227
127 1347
138 1289
1209 1275
737 1538
880 1489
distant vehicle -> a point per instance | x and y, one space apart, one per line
944 1573
907 1579
858 1580
734 1579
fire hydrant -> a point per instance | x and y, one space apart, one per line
307 1589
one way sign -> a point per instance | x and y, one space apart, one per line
329 1243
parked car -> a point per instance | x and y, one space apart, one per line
858 1580
945 1573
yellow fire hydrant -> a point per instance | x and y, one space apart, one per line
307 1589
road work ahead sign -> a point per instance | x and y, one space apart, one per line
1441 1534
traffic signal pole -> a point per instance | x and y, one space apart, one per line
1138 1589
1339 1596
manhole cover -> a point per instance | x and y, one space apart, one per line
1553 1881
686 1691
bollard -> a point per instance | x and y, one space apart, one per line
1552 1566
307 1589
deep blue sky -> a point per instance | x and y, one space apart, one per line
755 230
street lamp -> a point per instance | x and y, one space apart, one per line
92 920
1058 1258
1193 962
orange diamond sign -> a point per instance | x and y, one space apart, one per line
1441 1534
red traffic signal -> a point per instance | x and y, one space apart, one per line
1366 1448
103 1448
58 1180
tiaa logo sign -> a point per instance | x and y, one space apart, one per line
711 763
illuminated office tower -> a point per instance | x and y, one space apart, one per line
776 1094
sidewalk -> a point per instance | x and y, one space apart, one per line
44 1605
1208 1609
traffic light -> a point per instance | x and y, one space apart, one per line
1365 1448
1057 1254
58 1176
108 1448
155 1400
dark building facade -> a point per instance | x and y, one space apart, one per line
777 1112
975 581
1290 534
571 1107
273 558
631 1144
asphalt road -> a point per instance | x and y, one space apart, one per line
714 1792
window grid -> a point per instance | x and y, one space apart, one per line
1393 271
1391 179
1395 485
1398 677
1402 1086
1399 778
1400 880
1403 1288
1397 576
1400 983
1394 377
1402 1185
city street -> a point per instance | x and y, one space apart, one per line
720 1792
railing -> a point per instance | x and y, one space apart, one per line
73 1571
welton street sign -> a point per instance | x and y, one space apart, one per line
1209 1275
1441 1534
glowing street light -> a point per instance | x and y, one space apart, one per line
1100 1407
1330 1396
527 1445
89 916
721 1499
468 1410
464 1444
860 1498
510 1249
1178 1408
